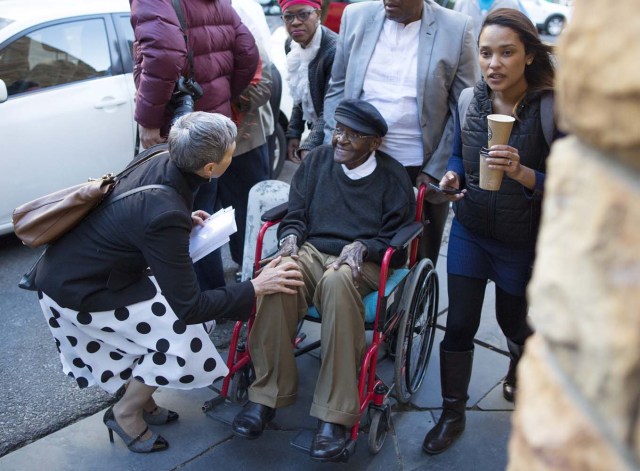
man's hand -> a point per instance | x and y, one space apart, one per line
288 248
292 147
276 278
352 255
149 137
424 179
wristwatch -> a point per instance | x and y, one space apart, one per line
281 241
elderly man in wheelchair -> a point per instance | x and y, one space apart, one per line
345 204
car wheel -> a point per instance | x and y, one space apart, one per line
554 25
277 151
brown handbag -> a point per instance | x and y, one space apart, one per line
49 217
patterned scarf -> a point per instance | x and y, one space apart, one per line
298 61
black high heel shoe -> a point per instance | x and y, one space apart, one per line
155 443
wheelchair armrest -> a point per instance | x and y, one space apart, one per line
275 214
406 235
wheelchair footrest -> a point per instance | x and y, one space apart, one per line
224 414
212 403
304 439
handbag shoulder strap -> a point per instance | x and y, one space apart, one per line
133 191
143 157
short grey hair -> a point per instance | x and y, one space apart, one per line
199 138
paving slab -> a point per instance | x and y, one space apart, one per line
441 269
489 367
495 400
273 451
85 445
483 445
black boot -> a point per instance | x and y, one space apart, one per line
455 373
250 423
509 384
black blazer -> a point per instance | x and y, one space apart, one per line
101 264
319 75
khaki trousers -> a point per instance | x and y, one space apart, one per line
340 305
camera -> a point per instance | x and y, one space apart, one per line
187 91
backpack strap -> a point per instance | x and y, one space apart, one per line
547 117
546 112
463 103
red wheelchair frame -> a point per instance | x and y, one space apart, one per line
415 319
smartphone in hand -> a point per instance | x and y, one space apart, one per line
447 190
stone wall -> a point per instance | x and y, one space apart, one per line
579 382
598 83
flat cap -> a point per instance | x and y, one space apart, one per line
362 117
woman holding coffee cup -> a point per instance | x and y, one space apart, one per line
494 231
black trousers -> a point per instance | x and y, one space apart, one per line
466 296
231 189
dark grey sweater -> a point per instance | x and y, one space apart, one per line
329 210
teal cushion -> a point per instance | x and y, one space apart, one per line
371 299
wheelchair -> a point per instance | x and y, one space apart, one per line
402 314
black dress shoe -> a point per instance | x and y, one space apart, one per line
252 420
329 442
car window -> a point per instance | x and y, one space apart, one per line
56 55
124 23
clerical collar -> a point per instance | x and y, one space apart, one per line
363 170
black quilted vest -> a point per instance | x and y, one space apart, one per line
512 214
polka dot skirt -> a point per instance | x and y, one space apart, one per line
145 341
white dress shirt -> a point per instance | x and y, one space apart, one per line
390 85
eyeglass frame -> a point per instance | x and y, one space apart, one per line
299 15
350 135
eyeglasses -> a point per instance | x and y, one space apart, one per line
301 15
350 135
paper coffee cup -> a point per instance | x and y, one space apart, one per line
489 179
499 128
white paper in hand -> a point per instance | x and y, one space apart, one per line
213 235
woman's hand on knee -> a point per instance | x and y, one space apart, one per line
275 278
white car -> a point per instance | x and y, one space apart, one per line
67 97
547 16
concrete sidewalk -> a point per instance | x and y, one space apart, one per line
198 442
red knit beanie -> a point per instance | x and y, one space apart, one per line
284 4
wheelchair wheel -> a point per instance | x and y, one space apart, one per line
416 332
239 387
378 430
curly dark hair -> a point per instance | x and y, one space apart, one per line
541 73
